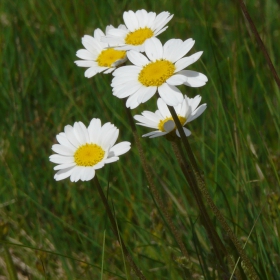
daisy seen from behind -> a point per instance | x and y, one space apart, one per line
139 26
162 120
98 56
82 150
162 70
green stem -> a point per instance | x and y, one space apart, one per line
201 184
218 246
260 42
10 264
156 195
116 232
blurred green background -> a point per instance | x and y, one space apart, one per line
59 230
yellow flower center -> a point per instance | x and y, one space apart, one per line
109 56
156 73
139 36
89 155
162 122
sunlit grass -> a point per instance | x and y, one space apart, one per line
236 142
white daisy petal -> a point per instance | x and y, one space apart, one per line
126 89
161 20
120 149
160 31
126 69
194 102
137 58
146 122
186 131
84 63
148 125
171 48
155 134
147 93
163 108
79 133
106 128
114 138
130 20
60 159
90 72
113 40
151 19
108 71
62 140
100 69
91 174
194 75
197 112
194 79
62 150
64 173
177 79
87 174
132 101
69 131
194 83
183 49
83 174
185 109
151 116
186 61
85 54
112 159
94 130
64 165
121 80
76 174
98 33
90 44
171 95
142 17
153 49
115 33
106 142
83 131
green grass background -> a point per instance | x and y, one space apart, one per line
59 229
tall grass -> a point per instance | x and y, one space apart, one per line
59 230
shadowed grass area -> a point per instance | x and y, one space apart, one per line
59 230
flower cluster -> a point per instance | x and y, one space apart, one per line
154 68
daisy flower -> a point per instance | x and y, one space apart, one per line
162 120
162 71
98 56
82 150
140 26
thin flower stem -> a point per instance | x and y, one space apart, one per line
156 195
260 42
218 245
201 184
116 232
